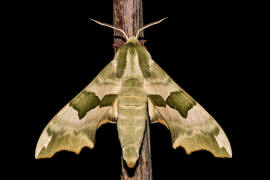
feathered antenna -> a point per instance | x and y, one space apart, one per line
148 25
110 26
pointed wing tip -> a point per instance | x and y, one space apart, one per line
36 156
229 151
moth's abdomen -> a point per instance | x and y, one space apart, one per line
132 114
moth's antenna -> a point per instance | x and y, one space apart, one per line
148 25
110 26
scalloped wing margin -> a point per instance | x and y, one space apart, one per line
190 125
75 126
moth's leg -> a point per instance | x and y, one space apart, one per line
115 46
143 41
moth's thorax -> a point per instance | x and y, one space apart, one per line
132 69
132 60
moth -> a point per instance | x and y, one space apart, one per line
130 90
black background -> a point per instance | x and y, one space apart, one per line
202 46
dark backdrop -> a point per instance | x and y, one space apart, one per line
202 46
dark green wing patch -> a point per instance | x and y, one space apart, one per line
84 102
121 60
142 56
180 101
108 100
143 61
157 100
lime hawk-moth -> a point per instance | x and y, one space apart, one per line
131 88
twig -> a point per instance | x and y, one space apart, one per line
128 15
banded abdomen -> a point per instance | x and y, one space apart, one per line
132 115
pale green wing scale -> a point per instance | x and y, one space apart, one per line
191 126
74 127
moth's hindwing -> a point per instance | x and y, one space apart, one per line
190 125
74 127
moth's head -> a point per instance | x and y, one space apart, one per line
132 39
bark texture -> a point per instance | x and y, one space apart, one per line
127 15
